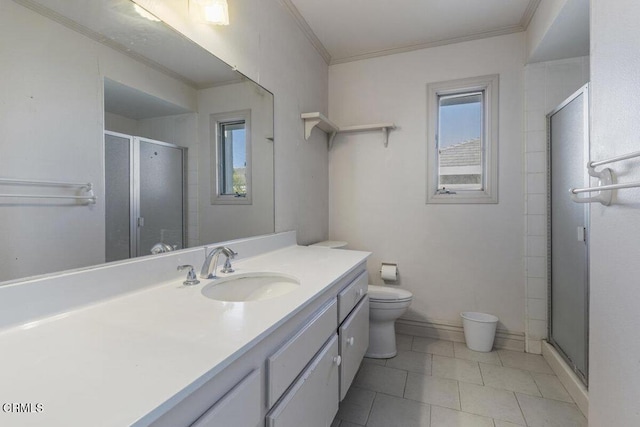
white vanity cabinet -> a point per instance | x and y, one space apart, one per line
312 400
354 341
353 319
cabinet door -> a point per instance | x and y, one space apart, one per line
354 341
312 401
241 406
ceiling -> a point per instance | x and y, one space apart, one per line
135 104
350 30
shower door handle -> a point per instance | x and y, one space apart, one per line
581 234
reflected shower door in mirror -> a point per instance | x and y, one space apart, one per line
145 194
74 69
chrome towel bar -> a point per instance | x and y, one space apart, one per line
605 181
86 187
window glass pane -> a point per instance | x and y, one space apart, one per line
460 141
233 155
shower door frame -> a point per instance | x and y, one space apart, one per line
584 92
134 193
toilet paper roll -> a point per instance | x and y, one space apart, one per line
389 272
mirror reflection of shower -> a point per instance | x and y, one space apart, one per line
145 194
146 201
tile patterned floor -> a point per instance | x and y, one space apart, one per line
432 383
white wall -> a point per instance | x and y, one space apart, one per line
266 44
547 84
452 257
614 381
51 121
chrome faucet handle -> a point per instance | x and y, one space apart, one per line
230 253
191 275
227 268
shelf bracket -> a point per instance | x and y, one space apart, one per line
309 124
330 137
385 136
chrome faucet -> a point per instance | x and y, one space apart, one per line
210 265
160 248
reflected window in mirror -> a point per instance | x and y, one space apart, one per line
231 145
233 153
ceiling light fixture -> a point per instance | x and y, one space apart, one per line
145 14
214 11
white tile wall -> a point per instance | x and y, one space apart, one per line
536 225
536 266
536 246
536 288
547 84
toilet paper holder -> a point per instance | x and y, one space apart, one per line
389 272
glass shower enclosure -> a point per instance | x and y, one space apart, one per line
568 129
145 194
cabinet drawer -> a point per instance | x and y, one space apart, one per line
349 297
285 365
240 406
312 401
354 341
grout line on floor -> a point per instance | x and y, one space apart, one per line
371 409
537 386
406 380
526 423
460 394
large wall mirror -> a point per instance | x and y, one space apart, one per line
177 146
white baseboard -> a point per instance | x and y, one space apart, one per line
567 377
534 346
505 340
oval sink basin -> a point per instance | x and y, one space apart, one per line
250 287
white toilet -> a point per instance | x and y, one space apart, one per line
386 304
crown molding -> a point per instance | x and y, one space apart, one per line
306 29
529 12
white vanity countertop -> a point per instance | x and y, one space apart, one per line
135 356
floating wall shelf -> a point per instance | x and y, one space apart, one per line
312 120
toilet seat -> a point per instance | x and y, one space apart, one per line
387 294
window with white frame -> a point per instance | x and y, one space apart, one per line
231 155
462 141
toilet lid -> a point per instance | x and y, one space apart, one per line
333 244
388 293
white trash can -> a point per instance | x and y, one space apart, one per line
479 330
